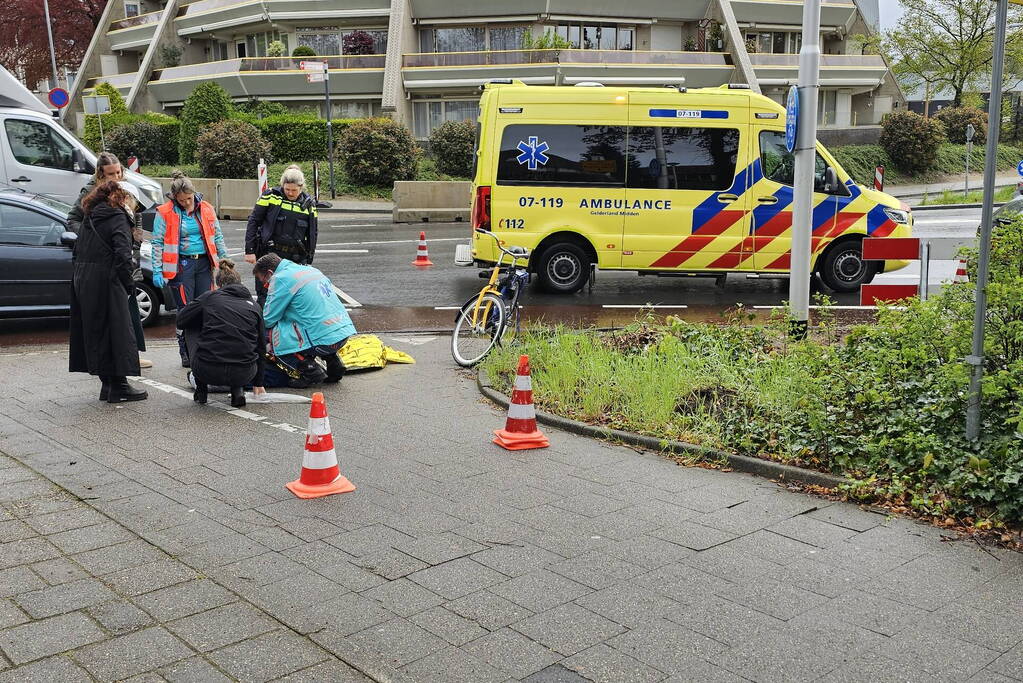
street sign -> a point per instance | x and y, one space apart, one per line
970 132
96 104
1019 168
312 66
791 118
59 98
315 77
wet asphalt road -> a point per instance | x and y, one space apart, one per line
370 261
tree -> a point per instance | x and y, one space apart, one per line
946 45
25 50
357 43
207 104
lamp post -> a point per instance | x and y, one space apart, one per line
49 34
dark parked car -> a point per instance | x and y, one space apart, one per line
35 260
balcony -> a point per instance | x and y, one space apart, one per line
271 78
122 82
848 71
209 15
790 12
445 70
132 33
690 10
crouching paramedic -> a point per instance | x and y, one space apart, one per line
305 320
187 246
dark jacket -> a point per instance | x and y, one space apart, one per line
75 216
74 224
264 219
230 327
102 339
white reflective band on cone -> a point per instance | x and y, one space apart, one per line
517 411
523 383
319 426
319 461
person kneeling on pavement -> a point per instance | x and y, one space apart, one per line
305 320
225 336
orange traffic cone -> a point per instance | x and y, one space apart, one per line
961 274
520 432
321 475
422 255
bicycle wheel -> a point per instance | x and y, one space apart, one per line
472 340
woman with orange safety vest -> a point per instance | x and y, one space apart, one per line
187 246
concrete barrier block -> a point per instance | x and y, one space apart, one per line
237 196
437 200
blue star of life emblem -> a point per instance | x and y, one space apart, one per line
533 153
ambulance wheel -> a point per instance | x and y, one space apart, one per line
843 268
563 268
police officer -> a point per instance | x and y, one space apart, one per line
283 222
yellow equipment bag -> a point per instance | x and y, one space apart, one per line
367 352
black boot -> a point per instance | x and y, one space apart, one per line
121 391
104 390
183 351
237 397
335 369
201 393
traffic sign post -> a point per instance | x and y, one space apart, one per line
970 132
98 105
994 122
320 71
801 127
791 119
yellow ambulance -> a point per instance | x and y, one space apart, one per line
660 181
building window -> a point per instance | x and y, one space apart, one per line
428 115
598 37
218 51
775 42
354 109
132 9
256 43
331 41
471 38
507 38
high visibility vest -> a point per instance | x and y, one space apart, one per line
172 236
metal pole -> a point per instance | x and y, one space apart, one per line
806 150
330 128
969 151
102 141
994 120
49 35
925 269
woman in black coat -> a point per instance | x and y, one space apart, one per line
226 338
102 339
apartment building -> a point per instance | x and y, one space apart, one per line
422 61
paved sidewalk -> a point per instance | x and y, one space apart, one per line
171 551
976 183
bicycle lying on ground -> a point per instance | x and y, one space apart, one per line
484 320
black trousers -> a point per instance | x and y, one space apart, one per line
223 374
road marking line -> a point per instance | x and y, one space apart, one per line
352 303
447 308
342 251
638 306
834 308
350 225
412 241
237 412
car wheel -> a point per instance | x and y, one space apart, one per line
149 303
844 269
563 268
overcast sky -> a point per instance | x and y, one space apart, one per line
891 10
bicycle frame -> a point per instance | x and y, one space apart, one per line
491 285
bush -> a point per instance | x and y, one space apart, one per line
911 140
170 55
957 118
275 49
377 152
303 51
357 43
299 138
231 149
262 109
453 145
140 139
207 104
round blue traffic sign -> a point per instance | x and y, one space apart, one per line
1019 168
791 119
59 98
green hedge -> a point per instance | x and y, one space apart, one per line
859 162
299 138
169 131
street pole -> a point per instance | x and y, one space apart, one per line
994 120
805 151
49 35
330 128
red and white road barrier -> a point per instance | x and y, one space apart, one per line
261 176
879 178
910 249
133 164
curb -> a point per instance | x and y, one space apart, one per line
938 207
739 463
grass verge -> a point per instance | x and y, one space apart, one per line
1002 194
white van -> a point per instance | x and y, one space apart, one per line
41 157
